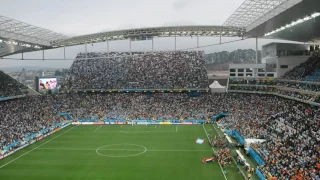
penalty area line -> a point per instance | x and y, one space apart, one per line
214 152
35 148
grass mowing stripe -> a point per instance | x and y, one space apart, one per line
214 152
35 148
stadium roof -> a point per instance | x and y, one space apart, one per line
11 29
254 12
294 20
299 23
178 31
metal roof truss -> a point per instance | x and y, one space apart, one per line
178 31
255 12
20 31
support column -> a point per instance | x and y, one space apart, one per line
85 47
22 56
64 52
197 41
130 46
256 50
152 44
108 47
220 38
42 54
175 42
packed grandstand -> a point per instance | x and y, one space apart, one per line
290 127
114 70
9 87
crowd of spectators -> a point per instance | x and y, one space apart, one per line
294 150
252 115
115 70
22 117
290 128
303 91
9 86
304 69
314 97
137 106
300 86
315 87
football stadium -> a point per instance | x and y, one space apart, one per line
154 114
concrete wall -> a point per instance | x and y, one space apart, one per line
245 66
289 46
244 70
291 61
269 50
271 58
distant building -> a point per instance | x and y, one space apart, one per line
49 73
283 57
277 59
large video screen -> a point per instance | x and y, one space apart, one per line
48 86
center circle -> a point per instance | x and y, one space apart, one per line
121 150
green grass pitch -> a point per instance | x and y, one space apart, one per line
115 152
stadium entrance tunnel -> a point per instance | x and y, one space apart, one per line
121 150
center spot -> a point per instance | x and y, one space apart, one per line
121 150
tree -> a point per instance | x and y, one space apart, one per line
237 56
58 73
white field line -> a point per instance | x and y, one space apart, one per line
98 128
213 151
151 150
137 131
137 127
35 148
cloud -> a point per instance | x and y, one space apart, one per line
181 4
178 23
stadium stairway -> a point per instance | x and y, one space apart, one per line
227 87
69 117
219 116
